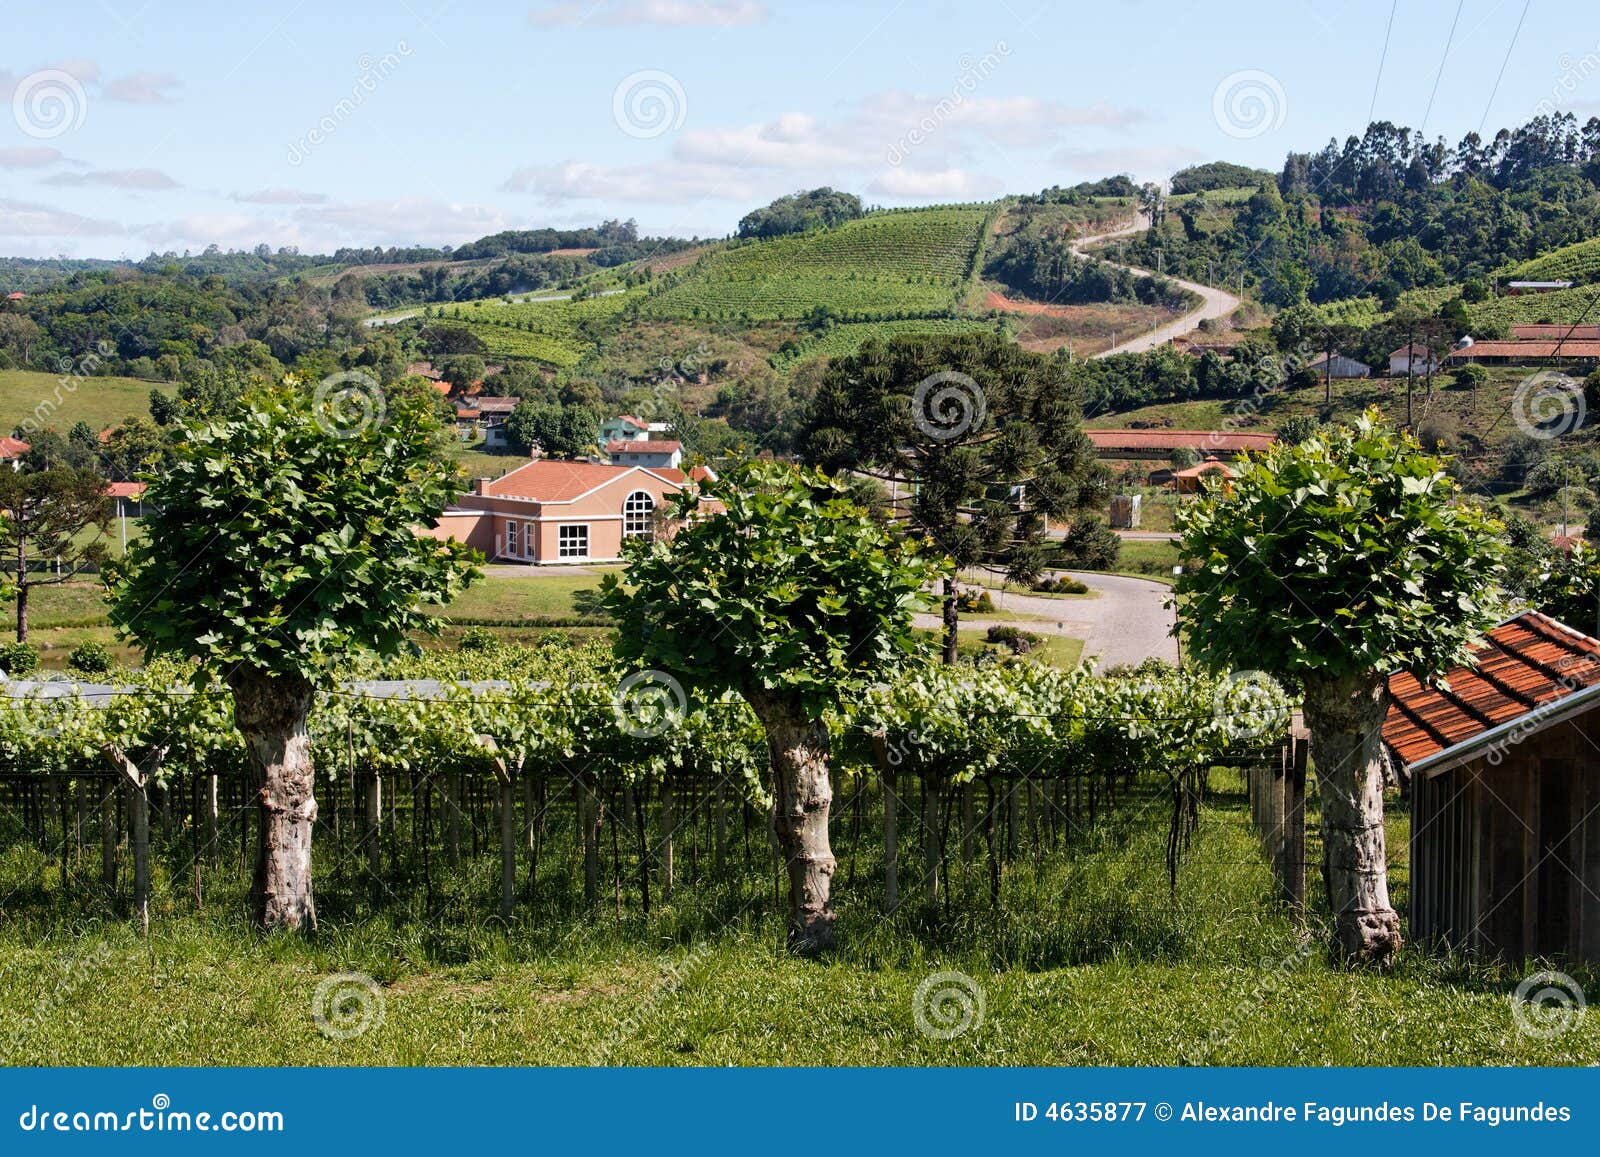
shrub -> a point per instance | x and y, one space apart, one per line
19 658
1060 586
478 639
974 602
91 659
1470 376
1020 642
1297 428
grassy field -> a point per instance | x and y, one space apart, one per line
60 400
1087 959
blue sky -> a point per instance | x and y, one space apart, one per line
128 126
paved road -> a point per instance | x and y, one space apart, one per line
1128 623
1214 303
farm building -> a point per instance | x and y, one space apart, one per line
486 416
1343 367
1412 359
1527 352
11 452
627 428
552 511
1556 332
1165 443
1505 794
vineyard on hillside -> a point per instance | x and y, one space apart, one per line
888 265
559 333
1579 263
843 340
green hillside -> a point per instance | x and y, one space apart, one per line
843 340
899 264
1580 263
61 400
558 333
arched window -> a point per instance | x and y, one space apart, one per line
636 512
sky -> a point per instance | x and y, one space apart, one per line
136 126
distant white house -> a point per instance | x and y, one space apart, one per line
627 428
1343 367
646 453
1412 359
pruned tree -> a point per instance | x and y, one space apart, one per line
1329 564
982 441
782 588
282 540
52 527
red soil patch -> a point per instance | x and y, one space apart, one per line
1011 305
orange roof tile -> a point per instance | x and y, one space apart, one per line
1525 666
642 447
12 447
125 489
1571 348
1178 440
552 480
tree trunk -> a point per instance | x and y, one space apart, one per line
802 795
952 621
1345 718
271 712
22 604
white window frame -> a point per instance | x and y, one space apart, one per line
514 549
633 524
578 533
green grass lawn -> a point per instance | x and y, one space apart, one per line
59 400
537 593
1147 557
1088 958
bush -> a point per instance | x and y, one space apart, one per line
1090 546
1020 642
1060 586
1297 428
1470 376
19 658
477 639
974 602
91 659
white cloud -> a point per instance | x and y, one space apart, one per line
666 182
279 197
27 219
406 221
141 88
942 185
144 180
36 157
667 13
1153 161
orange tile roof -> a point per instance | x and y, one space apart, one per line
1571 348
1178 439
12 447
125 489
1525 665
552 480
642 447
1556 331
1209 466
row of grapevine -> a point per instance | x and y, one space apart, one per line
843 340
1579 262
480 752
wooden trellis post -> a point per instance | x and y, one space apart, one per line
138 824
508 825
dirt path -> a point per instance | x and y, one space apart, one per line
1128 623
1214 303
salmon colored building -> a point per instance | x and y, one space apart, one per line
550 512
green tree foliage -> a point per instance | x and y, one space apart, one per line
961 421
558 431
280 541
51 526
796 213
1329 564
780 587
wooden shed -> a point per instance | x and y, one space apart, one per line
1505 794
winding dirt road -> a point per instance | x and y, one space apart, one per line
1214 303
